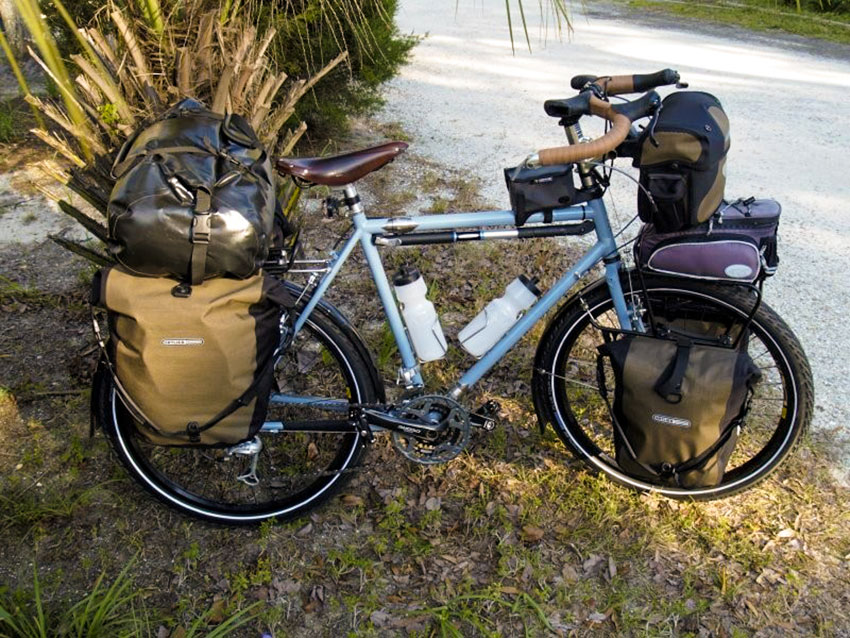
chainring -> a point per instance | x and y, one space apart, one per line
442 446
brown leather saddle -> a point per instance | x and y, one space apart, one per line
340 170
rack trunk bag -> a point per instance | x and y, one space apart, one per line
738 243
194 197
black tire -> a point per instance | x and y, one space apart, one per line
297 471
565 393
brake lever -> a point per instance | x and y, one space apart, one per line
652 124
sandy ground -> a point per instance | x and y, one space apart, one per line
468 102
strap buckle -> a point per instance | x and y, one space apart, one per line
201 227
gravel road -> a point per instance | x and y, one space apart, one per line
468 102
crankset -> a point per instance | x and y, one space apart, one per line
431 429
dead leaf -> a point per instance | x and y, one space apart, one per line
786 533
612 568
597 617
379 618
433 503
180 632
569 574
161 632
286 586
305 531
312 451
591 563
217 612
513 591
532 534
352 500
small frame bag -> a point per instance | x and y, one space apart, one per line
738 244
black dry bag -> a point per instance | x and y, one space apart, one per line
194 197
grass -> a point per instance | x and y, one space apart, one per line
758 15
8 116
115 610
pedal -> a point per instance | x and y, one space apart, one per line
485 416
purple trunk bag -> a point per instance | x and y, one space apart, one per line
738 243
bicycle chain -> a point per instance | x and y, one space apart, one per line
367 441
360 467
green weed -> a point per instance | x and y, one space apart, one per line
8 116
106 611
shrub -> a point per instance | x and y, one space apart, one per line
312 32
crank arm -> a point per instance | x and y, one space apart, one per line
389 422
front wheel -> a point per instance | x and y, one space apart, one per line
566 394
295 471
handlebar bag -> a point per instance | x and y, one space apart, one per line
678 406
738 243
193 370
682 161
541 190
193 197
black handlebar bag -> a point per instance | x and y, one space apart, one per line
682 160
194 197
678 406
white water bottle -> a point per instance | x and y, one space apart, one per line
420 317
498 316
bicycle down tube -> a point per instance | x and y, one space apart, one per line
368 230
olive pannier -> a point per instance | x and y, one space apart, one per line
194 197
682 159
737 244
193 370
679 404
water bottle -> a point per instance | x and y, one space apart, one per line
498 316
420 317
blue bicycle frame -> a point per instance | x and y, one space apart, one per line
370 231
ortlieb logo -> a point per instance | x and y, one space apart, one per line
671 420
184 341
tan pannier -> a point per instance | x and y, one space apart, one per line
193 370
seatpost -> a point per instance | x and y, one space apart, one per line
352 200
575 136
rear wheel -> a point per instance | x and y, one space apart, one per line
295 471
566 393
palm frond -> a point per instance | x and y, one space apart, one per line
137 58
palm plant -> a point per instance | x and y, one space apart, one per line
136 60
